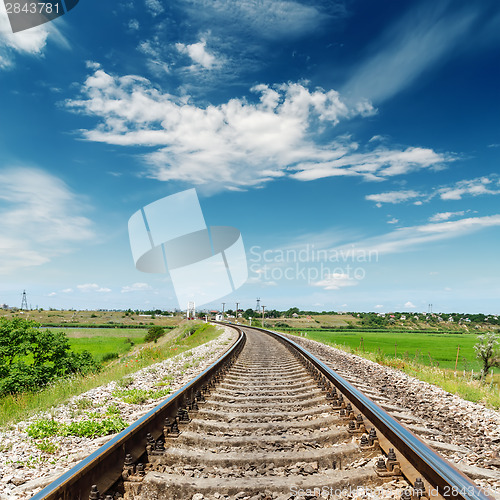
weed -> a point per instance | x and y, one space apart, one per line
43 428
125 381
47 446
83 403
113 409
132 396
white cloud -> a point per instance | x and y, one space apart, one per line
410 238
234 144
155 7
52 294
393 196
199 54
410 305
393 221
379 306
239 143
92 287
28 42
415 44
375 165
470 187
40 218
136 287
473 187
336 281
67 290
270 19
133 24
445 216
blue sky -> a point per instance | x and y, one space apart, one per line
354 144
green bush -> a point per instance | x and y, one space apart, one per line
154 333
31 357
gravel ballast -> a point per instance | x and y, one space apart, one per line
465 433
25 469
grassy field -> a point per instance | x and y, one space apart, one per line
427 356
191 334
430 349
90 318
102 342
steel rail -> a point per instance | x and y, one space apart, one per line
104 467
445 478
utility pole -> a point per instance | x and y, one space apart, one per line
24 302
223 305
263 309
236 314
257 309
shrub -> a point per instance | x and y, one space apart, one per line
31 357
154 333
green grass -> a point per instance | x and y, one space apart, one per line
102 343
413 359
415 346
14 408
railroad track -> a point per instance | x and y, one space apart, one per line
267 421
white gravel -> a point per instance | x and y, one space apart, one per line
465 433
25 469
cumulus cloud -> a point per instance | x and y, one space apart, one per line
410 305
40 218
92 287
238 144
199 54
136 287
30 42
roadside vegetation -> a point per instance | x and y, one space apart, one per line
18 406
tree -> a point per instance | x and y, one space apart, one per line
249 313
154 333
487 351
31 357
291 312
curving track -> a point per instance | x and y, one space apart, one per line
273 422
